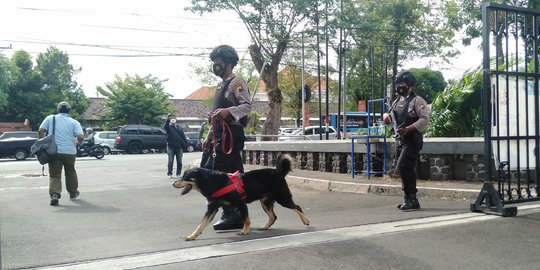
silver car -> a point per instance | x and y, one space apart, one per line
311 133
106 139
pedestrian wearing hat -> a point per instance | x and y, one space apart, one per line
412 116
221 151
68 133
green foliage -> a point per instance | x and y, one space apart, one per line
386 33
32 92
428 83
470 14
135 100
6 72
456 112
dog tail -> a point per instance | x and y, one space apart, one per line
284 165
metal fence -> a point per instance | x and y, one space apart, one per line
511 111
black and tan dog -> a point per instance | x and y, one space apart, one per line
267 185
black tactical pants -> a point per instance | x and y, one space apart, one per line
222 161
408 155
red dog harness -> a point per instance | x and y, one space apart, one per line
236 185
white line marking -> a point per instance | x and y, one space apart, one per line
279 242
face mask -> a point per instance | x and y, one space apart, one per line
173 121
402 90
218 69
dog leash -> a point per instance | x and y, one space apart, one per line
225 129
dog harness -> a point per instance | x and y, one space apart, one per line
236 185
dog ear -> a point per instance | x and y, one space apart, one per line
192 173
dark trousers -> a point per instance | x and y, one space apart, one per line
174 152
408 155
222 161
56 164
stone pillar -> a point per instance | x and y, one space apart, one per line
301 160
325 162
271 159
263 159
339 163
312 161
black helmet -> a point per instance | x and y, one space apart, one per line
407 77
226 52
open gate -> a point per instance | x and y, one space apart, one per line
511 111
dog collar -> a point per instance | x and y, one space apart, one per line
236 185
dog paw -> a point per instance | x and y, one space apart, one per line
262 228
191 237
243 233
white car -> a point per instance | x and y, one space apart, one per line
106 139
311 133
286 131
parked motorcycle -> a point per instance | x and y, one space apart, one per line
95 150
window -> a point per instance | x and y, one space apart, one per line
146 131
156 131
131 131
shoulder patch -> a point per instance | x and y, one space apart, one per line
238 86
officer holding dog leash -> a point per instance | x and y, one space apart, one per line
221 151
412 116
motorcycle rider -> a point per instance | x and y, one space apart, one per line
88 141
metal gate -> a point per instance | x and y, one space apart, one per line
511 111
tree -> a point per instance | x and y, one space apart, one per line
6 72
25 99
135 100
59 82
33 92
428 83
271 24
394 31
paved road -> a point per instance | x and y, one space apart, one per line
130 217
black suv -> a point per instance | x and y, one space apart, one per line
193 140
136 138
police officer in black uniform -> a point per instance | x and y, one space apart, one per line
231 106
412 116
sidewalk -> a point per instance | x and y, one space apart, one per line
337 182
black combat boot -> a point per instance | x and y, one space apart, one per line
411 202
406 200
230 220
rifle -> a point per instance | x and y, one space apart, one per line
397 135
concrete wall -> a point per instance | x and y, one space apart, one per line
441 158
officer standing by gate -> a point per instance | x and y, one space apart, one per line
412 116
221 151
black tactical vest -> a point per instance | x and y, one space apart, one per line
222 102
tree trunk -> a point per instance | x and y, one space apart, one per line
269 77
273 117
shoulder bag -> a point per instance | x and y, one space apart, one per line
45 147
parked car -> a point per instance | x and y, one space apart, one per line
311 133
286 131
193 140
17 143
135 138
107 140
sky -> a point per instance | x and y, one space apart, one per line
106 38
